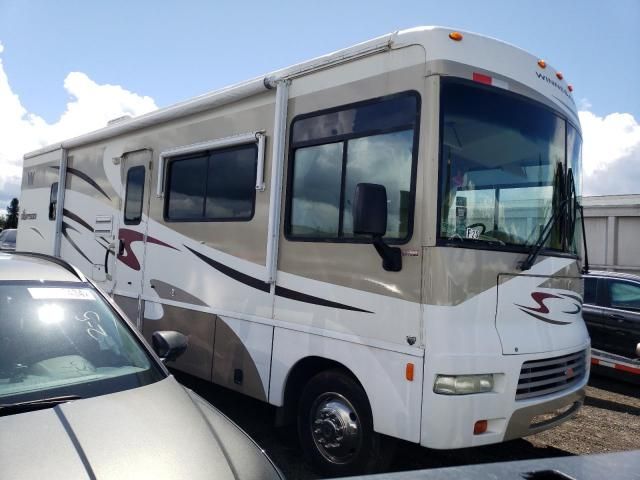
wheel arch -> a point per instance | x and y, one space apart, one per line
298 376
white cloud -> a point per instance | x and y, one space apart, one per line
90 107
611 153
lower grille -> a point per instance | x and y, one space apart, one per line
550 375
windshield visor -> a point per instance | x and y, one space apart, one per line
503 164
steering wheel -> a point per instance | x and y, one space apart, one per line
481 225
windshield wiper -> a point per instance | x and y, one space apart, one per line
31 405
536 248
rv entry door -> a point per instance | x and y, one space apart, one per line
132 232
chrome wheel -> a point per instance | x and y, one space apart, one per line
335 428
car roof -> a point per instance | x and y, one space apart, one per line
38 267
608 274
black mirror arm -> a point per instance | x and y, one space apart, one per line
391 256
585 267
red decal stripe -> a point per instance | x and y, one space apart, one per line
478 77
626 368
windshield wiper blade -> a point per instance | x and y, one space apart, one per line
39 404
536 248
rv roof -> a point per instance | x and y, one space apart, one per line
431 36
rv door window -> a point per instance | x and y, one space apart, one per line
334 150
53 201
133 195
212 186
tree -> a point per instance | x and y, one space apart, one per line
12 214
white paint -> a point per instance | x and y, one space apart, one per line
153 310
395 401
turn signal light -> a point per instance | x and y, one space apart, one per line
409 372
480 427
457 36
559 75
542 64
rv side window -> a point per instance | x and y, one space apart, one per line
53 201
134 195
333 151
211 186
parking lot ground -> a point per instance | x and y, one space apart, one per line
609 421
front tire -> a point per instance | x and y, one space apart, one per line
335 426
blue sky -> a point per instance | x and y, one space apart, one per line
175 50
170 51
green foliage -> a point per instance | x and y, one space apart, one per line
12 214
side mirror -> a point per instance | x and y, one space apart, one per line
169 345
370 218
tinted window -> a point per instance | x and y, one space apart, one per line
502 166
134 195
371 142
53 200
624 295
590 285
315 211
187 184
231 185
398 111
217 185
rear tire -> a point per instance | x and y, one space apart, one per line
335 426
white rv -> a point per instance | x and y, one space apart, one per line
381 241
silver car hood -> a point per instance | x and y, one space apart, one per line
157 431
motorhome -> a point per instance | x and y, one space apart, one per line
381 241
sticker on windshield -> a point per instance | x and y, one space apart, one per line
61 294
473 233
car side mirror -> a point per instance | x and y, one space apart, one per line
169 345
370 218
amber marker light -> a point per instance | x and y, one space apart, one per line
542 64
570 87
409 372
559 75
480 427
457 36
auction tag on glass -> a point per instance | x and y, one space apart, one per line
473 233
61 294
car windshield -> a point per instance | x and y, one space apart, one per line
64 339
503 167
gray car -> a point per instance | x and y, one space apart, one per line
612 312
83 396
8 239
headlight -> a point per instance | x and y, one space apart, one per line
463 384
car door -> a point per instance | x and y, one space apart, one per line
622 317
592 312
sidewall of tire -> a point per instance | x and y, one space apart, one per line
367 460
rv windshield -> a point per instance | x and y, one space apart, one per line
503 165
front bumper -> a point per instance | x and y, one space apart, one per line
523 421
448 420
